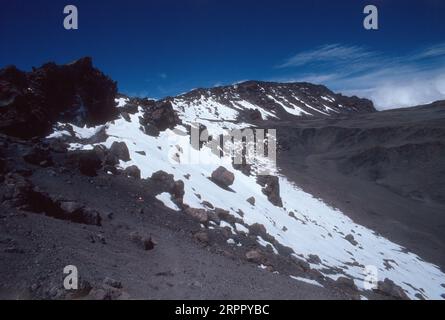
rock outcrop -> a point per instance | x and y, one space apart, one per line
271 188
31 102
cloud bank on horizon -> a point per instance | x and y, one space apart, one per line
414 78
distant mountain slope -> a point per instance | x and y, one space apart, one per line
385 170
267 100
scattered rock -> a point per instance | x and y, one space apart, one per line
158 116
345 282
178 191
257 229
223 177
202 236
208 204
301 264
145 242
165 183
198 214
421 297
120 150
271 188
351 239
133 171
314 259
390 289
88 216
251 200
255 256
101 238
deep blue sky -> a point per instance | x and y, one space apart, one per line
165 47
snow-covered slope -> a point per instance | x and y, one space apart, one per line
272 100
305 224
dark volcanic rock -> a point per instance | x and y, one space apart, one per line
158 116
22 194
133 171
120 150
351 239
222 176
198 214
165 183
255 256
88 161
31 102
271 188
390 289
251 200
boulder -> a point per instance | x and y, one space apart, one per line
346 283
120 151
251 200
199 214
223 177
158 116
257 229
255 256
202 236
350 238
388 288
314 259
133 171
89 216
178 190
208 204
271 188
165 183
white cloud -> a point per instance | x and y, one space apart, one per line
328 53
411 92
390 81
